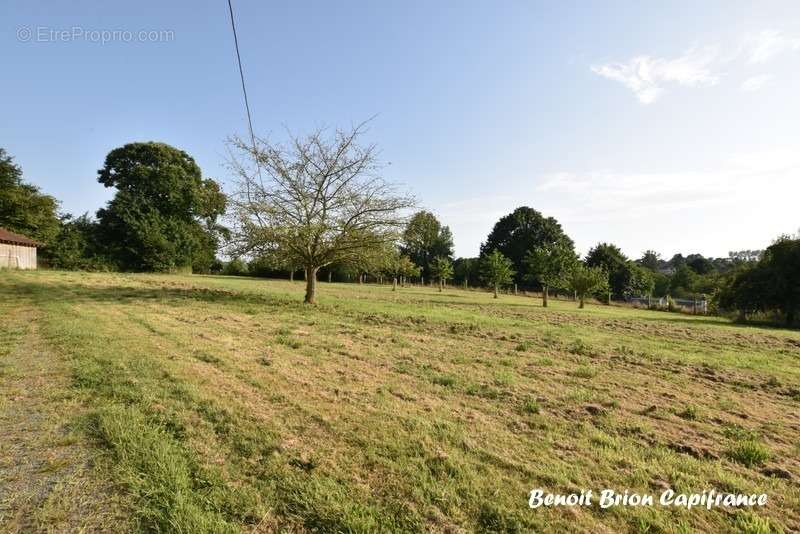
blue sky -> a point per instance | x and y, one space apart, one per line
673 125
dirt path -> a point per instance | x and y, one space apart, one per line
47 482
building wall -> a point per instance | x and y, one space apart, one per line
17 257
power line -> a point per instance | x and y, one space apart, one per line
244 87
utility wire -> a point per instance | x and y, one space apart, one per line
244 88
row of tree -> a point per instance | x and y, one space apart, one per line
318 204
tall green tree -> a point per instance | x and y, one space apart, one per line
677 261
550 264
441 269
24 209
650 260
682 282
641 281
625 277
699 263
76 247
773 284
164 214
782 261
521 231
466 270
497 270
584 281
425 239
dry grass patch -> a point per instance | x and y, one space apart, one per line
414 410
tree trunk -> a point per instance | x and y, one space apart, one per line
496 289
311 285
581 302
360 278
330 276
394 284
515 288
544 296
291 276
441 285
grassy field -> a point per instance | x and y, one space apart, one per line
194 404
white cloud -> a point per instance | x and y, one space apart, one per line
742 201
765 45
646 75
609 195
754 83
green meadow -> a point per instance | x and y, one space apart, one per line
223 404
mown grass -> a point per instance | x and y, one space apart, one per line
224 404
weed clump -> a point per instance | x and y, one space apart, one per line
524 346
584 371
749 453
580 348
531 406
444 380
690 413
285 339
749 523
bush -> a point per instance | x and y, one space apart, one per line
235 267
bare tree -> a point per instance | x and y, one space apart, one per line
313 202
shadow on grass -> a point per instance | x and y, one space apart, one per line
718 321
42 293
49 292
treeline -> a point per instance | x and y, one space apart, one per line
163 216
316 208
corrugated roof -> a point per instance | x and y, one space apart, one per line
16 239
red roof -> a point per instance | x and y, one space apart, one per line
16 239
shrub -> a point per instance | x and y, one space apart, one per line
235 267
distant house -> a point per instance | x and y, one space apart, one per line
17 251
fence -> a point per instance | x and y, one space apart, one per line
695 306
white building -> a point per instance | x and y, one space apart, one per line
17 251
